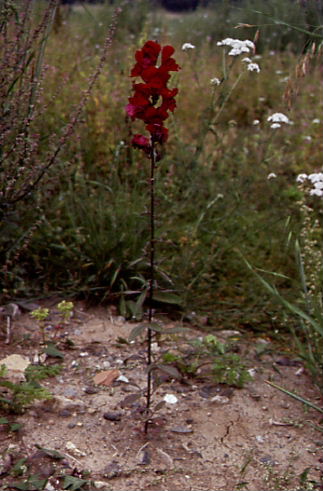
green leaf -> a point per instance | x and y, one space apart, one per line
15 426
52 351
166 297
51 453
4 421
73 483
18 468
166 330
170 370
137 330
296 396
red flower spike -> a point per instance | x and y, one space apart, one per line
158 132
141 141
152 100
147 56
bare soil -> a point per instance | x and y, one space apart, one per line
215 437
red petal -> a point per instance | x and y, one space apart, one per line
167 52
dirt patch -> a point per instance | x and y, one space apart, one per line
215 437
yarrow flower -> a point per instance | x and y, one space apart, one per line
316 179
277 118
237 46
187 46
253 67
215 81
152 99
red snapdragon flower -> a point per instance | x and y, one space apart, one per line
152 100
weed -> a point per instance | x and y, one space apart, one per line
224 365
15 397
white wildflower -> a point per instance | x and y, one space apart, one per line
274 126
246 60
238 46
253 67
256 122
187 46
272 175
316 192
170 399
307 138
278 118
316 121
301 178
215 81
316 177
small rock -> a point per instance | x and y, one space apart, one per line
268 460
16 366
74 450
181 429
287 362
61 403
111 416
220 399
99 484
91 390
170 399
145 458
65 413
112 470
123 379
229 333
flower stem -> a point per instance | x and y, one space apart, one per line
151 275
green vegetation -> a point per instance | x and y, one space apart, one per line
15 397
73 192
218 360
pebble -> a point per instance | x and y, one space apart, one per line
181 429
111 416
65 413
99 484
220 399
91 390
71 447
112 470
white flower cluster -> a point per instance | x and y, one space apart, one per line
277 119
187 46
237 46
251 66
316 179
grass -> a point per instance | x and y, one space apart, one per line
84 229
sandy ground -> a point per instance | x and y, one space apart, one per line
215 437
